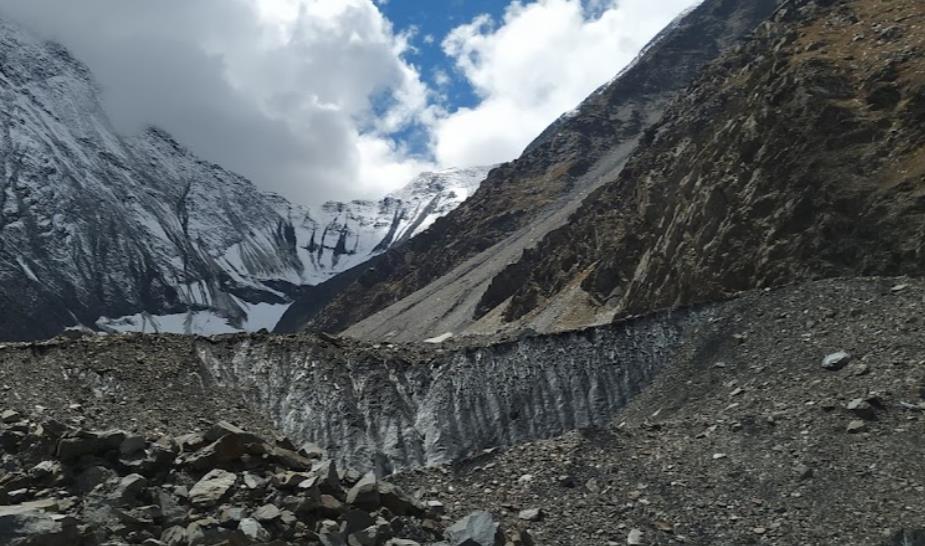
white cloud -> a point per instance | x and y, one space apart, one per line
305 96
295 94
541 60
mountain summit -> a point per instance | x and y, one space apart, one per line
138 229
436 284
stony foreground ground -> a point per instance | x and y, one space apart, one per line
794 416
748 439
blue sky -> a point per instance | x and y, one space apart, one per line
433 21
341 99
429 23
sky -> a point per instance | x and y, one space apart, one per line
344 99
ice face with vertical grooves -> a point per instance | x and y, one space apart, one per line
389 413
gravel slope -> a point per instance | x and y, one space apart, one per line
745 440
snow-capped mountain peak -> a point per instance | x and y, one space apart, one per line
340 235
95 224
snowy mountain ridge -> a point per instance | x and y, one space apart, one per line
95 224
341 235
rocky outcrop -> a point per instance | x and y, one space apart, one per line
522 200
221 485
798 155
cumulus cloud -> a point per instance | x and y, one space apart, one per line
316 99
299 95
539 61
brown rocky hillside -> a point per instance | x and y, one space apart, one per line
571 158
799 155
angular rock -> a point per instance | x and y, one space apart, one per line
252 529
171 511
397 501
284 457
222 428
132 445
89 443
29 524
855 427
46 472
227 449
129 488
365 494
330 507
252 481
329 534
863 409
355 520
92 477
190 442
634 538
836 361
476 529
531 514
293 480
230 516
329 479
267 512
174 536
212 488
364 537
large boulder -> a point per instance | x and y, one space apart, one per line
86 442
212 488
370 493
30 524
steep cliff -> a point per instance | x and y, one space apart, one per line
798 155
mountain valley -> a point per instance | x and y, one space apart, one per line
690 313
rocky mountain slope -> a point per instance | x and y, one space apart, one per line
327 241
94 224
434 284
798 155
779 417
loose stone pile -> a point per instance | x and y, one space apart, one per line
223 486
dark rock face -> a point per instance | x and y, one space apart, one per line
95 224
551 168
798 155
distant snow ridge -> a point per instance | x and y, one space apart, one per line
322 243
342 235
95 225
